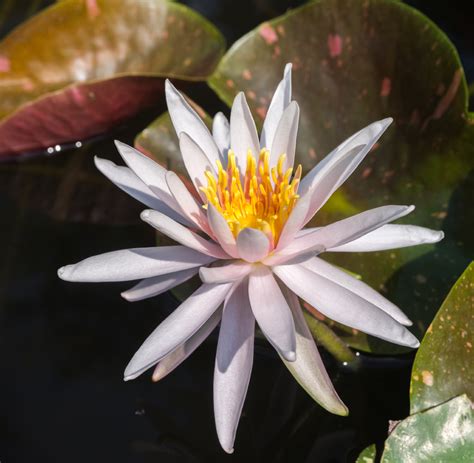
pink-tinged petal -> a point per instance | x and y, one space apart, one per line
243 133
252 245
177 328
221 134
308 368
188 205
233 366
185 119
284 141
295 221
128 181
221 231
343 306
358 287
196 163
272 312
182 234
346 230
337 166
168 363
391 237
226 273
281 99
151 287
134 264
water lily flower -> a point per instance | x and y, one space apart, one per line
239 224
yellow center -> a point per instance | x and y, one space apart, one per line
263 198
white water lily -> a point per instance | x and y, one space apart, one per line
241 230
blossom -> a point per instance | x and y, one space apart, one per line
239 226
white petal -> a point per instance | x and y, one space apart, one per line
134 264
185 119
252 245
284 141
168 363
177 328
243 133
233 366
308 368
228 272
281 99
181 234
196 163
129 182
338 165
221 134
272 312
346 230
343 306
221 231
188 205
391 237
154 286
358 287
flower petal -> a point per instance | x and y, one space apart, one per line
346 230
252 244
233 366
221 134
308 368
391 237
343 306
182 234
188 205
337 166
281 99
177 328
221 231
196 163
185 119
284 141
243 133
272 312
134 264
129 182
358 287
154 286
168 363
230 271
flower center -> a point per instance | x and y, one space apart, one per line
263 198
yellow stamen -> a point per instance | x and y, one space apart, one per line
262 199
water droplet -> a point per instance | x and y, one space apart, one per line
345 363
140 412
50 150
78 144
57 148
357 354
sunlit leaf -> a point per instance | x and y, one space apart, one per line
99 63
443 366
444 433
367 455
356 61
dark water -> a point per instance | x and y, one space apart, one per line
64 346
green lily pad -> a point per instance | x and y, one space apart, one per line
367 455
100 63
356 61
443 364
443 434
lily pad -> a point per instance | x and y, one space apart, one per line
444 433
99 63
443 364
356 61
367 455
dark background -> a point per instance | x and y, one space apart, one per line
64 346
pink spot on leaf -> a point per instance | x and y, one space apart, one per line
268 34
93 9
386 87
334 45
4 64
230 83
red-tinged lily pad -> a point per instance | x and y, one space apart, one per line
356 61
91 64
443 366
